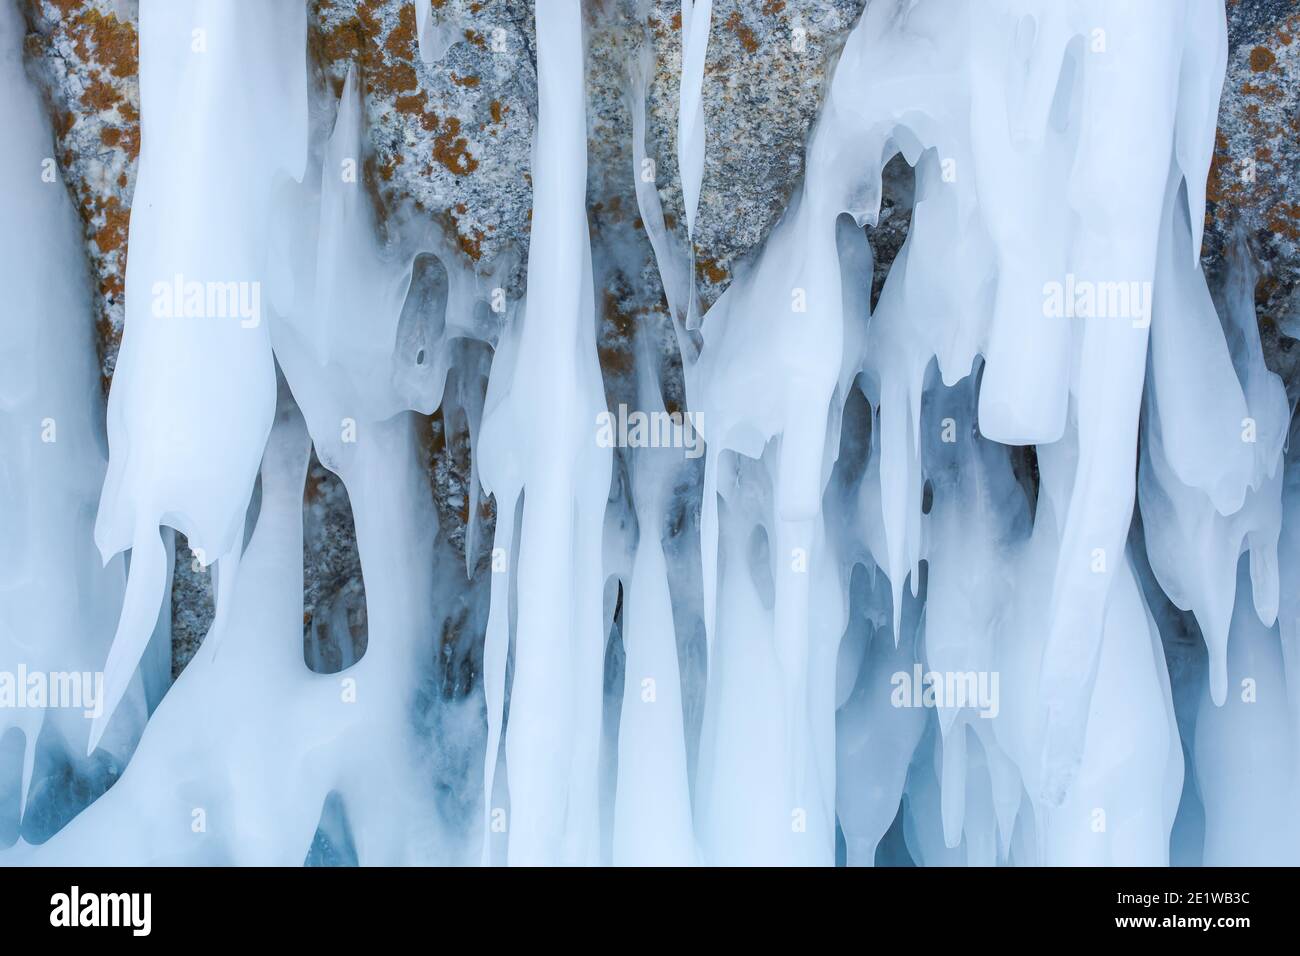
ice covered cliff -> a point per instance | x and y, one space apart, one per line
991 554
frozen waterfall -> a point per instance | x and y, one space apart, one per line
1002 568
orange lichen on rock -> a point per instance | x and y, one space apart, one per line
471 245
403 41
1284 219
98 95
743 33
713 270
451 149
387 66
615 348
426 122
116 43
112 234
1262 59
340 42
86 53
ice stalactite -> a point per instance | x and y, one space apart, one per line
874 739
1239 785
1211 483
57 602
196 394
267 741
998 131
434 36
652 806
256 690
1117 200
538 448
956 549
696 17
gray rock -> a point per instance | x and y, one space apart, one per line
764 83
451 137
334 632
193 605
83 57
1254 185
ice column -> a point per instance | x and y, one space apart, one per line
539 443
223 93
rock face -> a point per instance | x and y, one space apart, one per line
193 605
450 101
449 110
83 55
334 596
1254 185
765 75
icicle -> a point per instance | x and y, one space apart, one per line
875 739
674 269
194 391
1021 161
917 628
697 16
543 431
1117 196
652 811
1249 792
265 739
434 36
56 603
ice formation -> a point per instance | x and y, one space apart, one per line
935 560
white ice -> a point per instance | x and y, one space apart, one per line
680 665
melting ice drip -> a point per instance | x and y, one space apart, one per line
943 485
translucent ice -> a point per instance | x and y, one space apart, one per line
999 568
